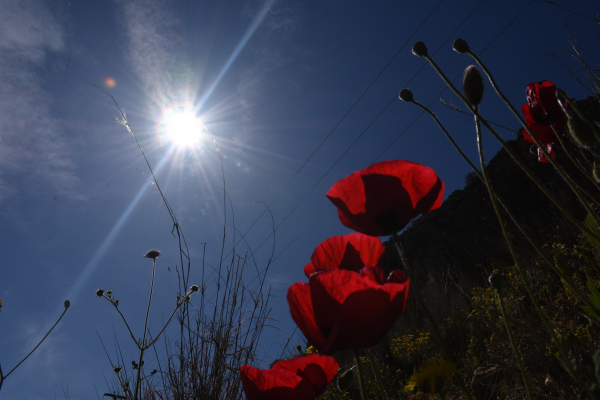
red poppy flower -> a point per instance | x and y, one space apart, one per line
274 384
298 379
340 309
318 370
351 252
382 199
542 110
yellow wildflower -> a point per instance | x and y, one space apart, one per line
429 372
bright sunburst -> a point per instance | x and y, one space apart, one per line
180 125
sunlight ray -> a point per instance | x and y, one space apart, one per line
114 232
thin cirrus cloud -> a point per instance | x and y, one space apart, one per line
151 42
31 148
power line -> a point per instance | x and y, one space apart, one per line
367 128
339 122
406 128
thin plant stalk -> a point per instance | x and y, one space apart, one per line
421 303
143 346
560 170
573 158
568 365
488 184
514 156
361 375
513 343
384 395
3 377
568 280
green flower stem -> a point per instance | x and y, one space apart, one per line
567 363
568 280
143 346
513 343
436 329
514 156
560 171
567 148
384 395
3 377
361 375
488 184
562 93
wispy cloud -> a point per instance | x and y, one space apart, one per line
32 149
152 42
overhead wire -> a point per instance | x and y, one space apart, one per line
367 128
340 121
406 128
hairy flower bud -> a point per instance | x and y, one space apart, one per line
406 95
194 288
99 292
582 131
473 85
420 49
109 292
345 380
460 45
496 281
67 304
117 369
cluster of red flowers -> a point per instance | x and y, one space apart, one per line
541 112
348 303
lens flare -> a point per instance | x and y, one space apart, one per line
110 82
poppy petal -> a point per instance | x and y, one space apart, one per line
382 199
301 308
351 252
274 384
317 369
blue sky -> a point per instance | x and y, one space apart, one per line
270 80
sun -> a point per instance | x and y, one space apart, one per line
181 126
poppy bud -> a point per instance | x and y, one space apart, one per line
420 49
406 95
582 132
345 381
496 281
67 304
460 45
194 288
473 85
99 292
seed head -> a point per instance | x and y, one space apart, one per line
194 288
99 292
117 369
153 254
117 301
406 95
473 85
109 292
419 49
496 280
460 45
67 304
